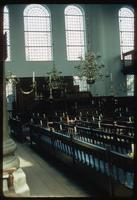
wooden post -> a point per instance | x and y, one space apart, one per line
110 183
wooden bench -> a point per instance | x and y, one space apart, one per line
19 130
109 170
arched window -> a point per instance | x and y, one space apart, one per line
75 32
6 30
126 28
37 30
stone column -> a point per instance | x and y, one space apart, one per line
20 188
9 146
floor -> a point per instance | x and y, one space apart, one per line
49 178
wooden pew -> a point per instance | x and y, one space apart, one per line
110 170
111 127
19 130
119 143
118 129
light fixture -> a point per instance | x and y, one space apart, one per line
55 81
54 78
90 67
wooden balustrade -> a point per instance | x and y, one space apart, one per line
129 59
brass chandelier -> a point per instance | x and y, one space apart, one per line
90 67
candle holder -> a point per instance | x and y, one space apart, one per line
55 81
54 78
16 81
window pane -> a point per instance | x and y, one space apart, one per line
35 10
8 53
38 53
126 27
127 38
73 53
74 23
7 31
126 49
130 85
37 39
75 33
75 38
72 10
37 26
125 12
126 24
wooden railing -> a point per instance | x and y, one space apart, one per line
129 60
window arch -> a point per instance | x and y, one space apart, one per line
6 29
37 30
126 28
75 32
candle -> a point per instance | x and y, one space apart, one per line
75 118
115 123
31 120
44 115
129 119
80 114
41 122
99 125
33 79
126 109
132 148
60 126
75 129
93 118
